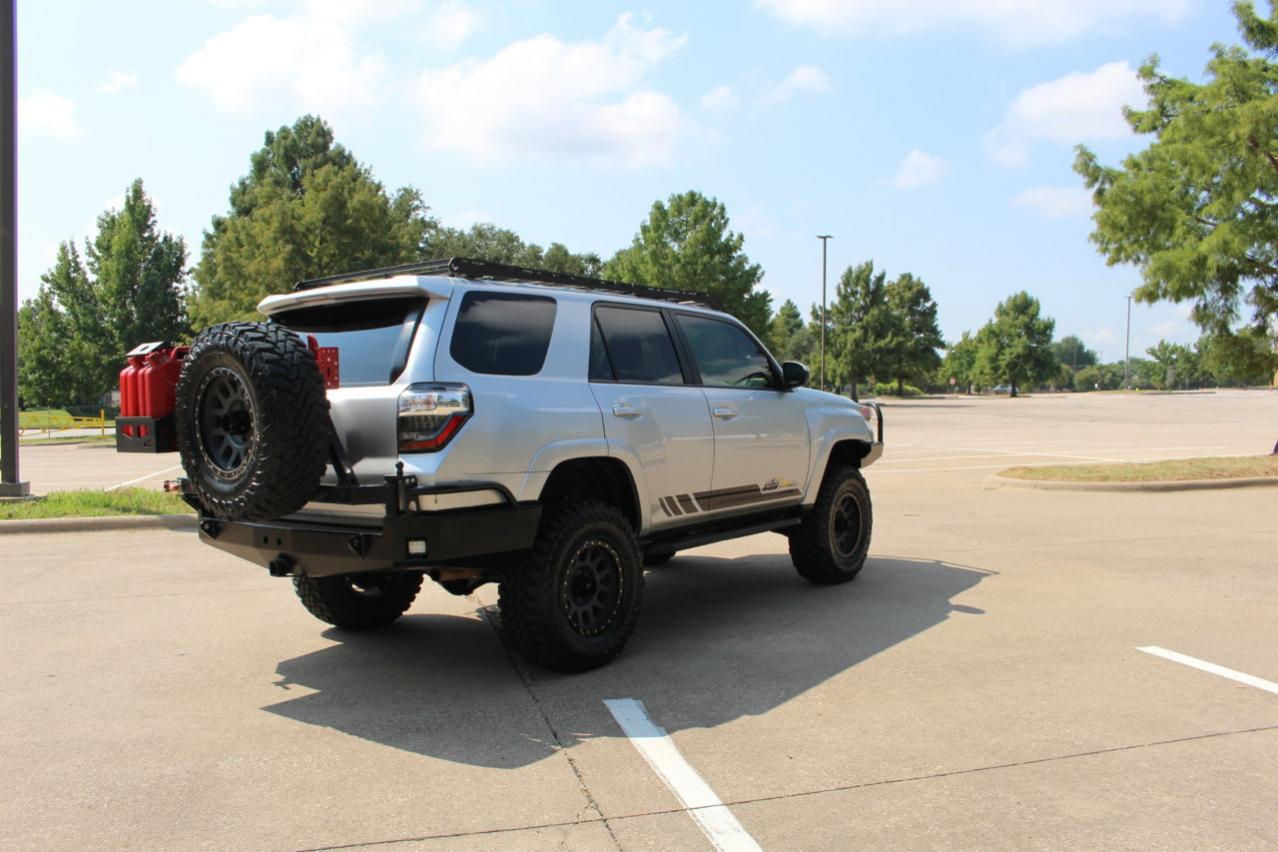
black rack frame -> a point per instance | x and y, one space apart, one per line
482 270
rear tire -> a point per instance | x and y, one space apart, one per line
252 421
831 544
359 601
573 604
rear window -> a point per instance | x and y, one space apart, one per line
503 334
637 346
372 338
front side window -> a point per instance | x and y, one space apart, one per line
726 356
504 334
638 346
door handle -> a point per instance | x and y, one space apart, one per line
628 412
724 412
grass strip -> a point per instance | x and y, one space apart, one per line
95 504
1175 470
102 440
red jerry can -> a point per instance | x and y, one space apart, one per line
129 391
158 381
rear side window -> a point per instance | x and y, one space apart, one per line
638 346
726 356
503 334
372 337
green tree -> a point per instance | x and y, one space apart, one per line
1088 378
685 244
1197 210
1174 365
859 342
787 335
960 364
488 242
306 208
73 335
912 354
137 273
1073 353
1015 347
1241 359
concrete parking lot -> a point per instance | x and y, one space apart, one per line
980 685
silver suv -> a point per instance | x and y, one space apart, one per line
477 423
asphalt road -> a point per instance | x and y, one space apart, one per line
978 686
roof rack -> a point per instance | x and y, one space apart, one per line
482 270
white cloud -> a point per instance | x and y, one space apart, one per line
1055 202
1079 107
1162 330
919 169
46 113
450 23
805 78
117 81
1017 22
719 100
1098 337
542 98
311 59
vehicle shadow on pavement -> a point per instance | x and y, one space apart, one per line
719 639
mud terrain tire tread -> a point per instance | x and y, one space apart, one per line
290 425
811 547
336 601
531 621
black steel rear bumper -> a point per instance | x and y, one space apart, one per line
406 540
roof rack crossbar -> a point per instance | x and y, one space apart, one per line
481 270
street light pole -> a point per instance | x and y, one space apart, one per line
825 239
9 484
1127 354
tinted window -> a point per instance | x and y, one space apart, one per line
503 333
726 356
600 366
372 337
639 346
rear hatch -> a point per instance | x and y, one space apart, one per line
373 343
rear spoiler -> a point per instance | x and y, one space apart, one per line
395 288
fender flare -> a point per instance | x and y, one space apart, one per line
556 453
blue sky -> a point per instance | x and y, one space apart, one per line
932 136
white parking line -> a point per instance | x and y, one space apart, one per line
1203 665
650 740
143 478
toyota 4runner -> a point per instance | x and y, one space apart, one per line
476 423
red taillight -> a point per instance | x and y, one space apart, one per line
430 415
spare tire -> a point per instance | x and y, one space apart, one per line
252 421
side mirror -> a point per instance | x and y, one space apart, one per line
794 374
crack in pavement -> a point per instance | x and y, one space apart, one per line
781 796
487 612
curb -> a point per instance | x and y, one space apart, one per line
995 481
99 524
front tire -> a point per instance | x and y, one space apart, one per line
831 544
359 601
574 602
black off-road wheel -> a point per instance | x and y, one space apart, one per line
831 544
252 421
359 601
575 600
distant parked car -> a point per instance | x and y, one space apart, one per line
1003 389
